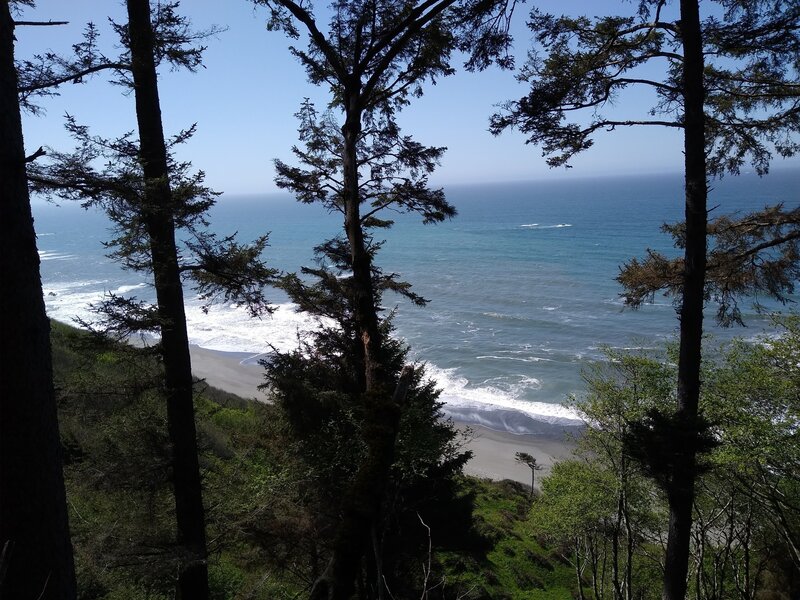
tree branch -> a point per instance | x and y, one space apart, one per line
412 25
73 77
322 43
39 153
39 23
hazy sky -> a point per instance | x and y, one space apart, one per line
244 100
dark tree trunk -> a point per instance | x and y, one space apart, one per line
366 317
680 492
362 504
34 533
158 214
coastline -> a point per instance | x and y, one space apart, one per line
493 450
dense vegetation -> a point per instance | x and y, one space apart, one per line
598 519
266 494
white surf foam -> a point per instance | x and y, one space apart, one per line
69 301
230 328
125 289
457 393
52 255
538 226
525 359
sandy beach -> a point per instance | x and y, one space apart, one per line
494 451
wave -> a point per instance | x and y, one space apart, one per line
70 301
228 328
624 348
51 255
526 359
461 399
231 329
504 317
537 226
124 289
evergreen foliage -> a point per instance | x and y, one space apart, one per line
751 256
729 83
317 387
107 174
35 553
580 66
149 197
375 57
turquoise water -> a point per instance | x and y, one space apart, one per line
521 283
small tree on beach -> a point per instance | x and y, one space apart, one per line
529 461
730 86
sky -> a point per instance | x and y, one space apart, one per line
244 99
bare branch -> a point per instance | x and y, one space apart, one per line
39 23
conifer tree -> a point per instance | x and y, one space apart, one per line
375 58
149 197
317 388
35 551
35 554
730 85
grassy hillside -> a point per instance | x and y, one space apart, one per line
260 533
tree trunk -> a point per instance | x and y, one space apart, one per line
364 310
579 570
628 551
617 529
680 493
362 503
35 550
158 215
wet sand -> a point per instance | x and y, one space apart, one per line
494 451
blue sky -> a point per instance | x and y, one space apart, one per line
244 100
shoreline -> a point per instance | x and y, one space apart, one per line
493 450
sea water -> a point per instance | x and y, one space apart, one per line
521 284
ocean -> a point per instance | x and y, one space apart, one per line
521 283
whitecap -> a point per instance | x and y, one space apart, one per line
124 289
52 255
457 394
526 359
538 226
231 329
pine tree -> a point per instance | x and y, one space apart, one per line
730 86
35 551
317 387
150 197
375 58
